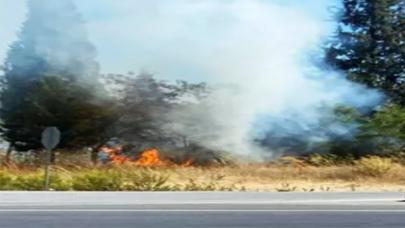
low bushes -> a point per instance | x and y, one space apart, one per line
374 166
120 180
97 181
5 181
304 174
31 182
213 184
35 182
148 181
117 179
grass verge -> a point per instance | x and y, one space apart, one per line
287 174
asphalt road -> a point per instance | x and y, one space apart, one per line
201 210
201 219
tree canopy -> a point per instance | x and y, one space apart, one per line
50 79
370 45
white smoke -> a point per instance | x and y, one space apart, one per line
254 52
52 39
257 53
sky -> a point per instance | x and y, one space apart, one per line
144 35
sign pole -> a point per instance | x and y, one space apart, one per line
47 168
50 139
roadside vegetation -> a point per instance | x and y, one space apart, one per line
355 149
315 173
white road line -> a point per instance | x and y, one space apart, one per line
208 202
196 210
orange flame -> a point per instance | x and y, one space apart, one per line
148 158
115 155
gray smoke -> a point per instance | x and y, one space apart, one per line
265 84
253 53
54 40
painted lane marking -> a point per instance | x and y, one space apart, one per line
197 210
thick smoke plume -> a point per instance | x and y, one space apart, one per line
254 54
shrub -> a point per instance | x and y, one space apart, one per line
329 159
374 166
5 181
207 186
121 180
147 181
97 181
35 182
213 185
322 159
57 183
384 132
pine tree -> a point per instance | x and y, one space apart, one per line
50 79
82 116
370 45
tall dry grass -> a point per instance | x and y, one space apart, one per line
315 173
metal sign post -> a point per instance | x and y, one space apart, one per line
50 139
47 169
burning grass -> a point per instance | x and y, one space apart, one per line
148 158
287 174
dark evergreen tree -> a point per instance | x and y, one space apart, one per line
82 116
370 45
50 79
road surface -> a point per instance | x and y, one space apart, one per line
201 210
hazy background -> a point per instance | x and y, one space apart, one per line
257 53
145 34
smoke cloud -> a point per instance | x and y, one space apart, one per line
255 54
52 40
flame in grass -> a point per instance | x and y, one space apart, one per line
148 158
115 155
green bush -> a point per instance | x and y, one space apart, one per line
147 181
57 183
97 180
5 181
35 182
384 132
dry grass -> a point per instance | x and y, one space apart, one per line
291 178
287 174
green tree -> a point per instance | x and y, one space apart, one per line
82 116
51 79
385 130
370 45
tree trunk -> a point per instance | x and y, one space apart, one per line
94 155
53 157
8 154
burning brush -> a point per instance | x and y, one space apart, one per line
147 158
